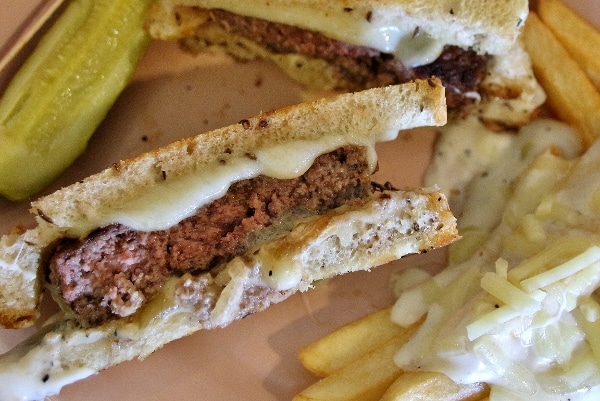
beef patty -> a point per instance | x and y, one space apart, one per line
115 269
461 70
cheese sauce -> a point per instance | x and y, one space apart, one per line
475 166
530 353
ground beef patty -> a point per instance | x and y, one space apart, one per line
115 269
460 70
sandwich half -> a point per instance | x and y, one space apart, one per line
210 229
472 46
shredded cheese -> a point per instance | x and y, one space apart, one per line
521 312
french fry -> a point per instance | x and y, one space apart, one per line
571 94
349 342
422 386
365 379
580 39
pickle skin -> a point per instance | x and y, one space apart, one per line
65 88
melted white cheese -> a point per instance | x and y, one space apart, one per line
584 192
32 376
165 204
27 380
396 34
415 49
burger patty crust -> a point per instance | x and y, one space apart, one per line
115 269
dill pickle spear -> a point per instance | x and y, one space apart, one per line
60 95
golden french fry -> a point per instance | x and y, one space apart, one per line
580 38
349 342
365 379
571 94
422 386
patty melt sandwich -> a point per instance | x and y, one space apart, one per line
472 46
205 231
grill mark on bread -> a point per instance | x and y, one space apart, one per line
245 123
115 269
43 216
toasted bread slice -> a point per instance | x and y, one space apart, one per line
488 26
102 199
348 46
390 225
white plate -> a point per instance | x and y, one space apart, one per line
175 95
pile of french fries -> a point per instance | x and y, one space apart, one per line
356 362
565 54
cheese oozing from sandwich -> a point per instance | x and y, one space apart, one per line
414 34
169 202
